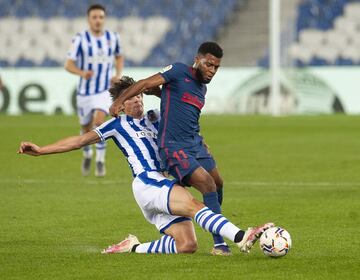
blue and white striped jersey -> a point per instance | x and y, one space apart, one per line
136 138
96 54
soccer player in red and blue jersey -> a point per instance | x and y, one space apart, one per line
181 147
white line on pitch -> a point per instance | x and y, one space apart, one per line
97 181
263 183
62 181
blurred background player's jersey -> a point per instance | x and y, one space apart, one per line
96 54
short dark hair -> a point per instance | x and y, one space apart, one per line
211 48
120 86
96 7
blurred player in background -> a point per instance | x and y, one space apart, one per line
1 84
181 147
92 56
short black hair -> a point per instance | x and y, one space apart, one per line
96 7
120 86
211 48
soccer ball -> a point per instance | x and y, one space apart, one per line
275 242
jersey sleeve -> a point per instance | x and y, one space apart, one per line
118 50
107 129
172 71
75 48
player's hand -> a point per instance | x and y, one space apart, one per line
29 148
116 108
153 91
87 74
114 80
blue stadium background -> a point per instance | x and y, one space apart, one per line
326 32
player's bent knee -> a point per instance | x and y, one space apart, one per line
209 185
193 206
187 247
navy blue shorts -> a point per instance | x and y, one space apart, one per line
181 162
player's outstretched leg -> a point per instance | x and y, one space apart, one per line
100 170
220 249
218 224
203 181
179 238
165 245
182 203
86 162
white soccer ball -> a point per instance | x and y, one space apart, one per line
275 242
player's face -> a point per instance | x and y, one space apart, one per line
96 20
206 67
134 106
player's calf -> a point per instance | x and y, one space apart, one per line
218 224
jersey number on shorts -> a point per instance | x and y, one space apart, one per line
182 158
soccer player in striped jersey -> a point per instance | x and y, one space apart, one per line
181 147
92 56
164 203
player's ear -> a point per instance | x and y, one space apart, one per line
196 61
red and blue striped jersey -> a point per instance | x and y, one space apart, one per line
182 99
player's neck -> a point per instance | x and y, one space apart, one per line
96 33
138 117
135 116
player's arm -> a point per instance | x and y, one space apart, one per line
64 145
137 88
71 67
119 65
156 91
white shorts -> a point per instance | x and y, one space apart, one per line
151 192
86 104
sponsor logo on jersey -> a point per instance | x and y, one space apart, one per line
146 134
167 68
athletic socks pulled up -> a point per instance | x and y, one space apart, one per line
218 224
165 245
87 152
100 151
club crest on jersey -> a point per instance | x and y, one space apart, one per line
167 68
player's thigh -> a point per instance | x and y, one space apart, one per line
99 117
87 127
182 203
85 111
184 235
201 180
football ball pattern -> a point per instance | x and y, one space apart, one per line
275 242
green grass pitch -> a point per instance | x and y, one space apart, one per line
300 172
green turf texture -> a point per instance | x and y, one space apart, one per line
300 172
